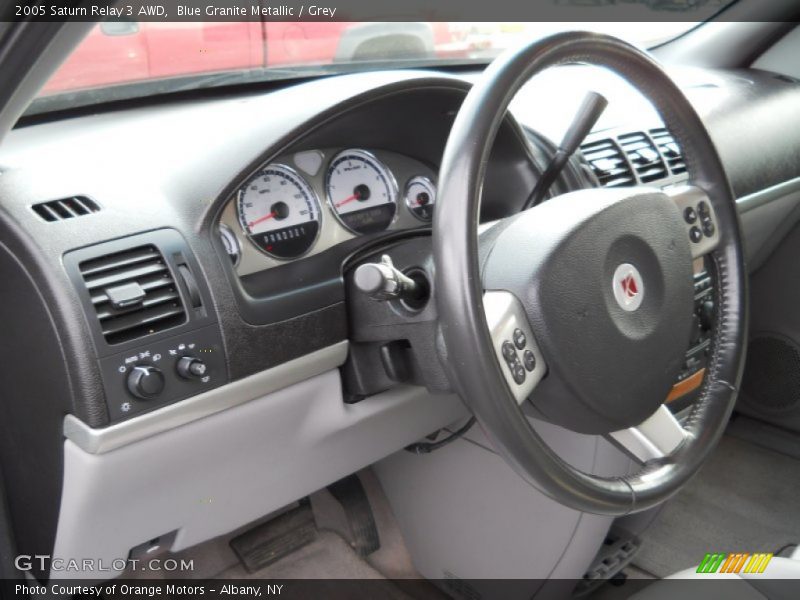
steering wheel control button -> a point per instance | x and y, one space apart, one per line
519 338
628 287
512 358
190 367
145 382
702 229
529 359
519 373
508 326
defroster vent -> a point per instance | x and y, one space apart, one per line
65 208
608 163
133 293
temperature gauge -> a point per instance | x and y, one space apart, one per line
231 244
420 197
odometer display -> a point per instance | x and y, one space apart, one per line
361 191
279 212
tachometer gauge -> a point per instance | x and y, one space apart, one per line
420 196
279 212
362 192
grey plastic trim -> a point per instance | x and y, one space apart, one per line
760 198
658 436
217 474
99 441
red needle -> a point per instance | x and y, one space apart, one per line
262 219
346 200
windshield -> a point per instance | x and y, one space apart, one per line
126 59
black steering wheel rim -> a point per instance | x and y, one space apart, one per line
477 376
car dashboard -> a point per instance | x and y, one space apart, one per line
171 262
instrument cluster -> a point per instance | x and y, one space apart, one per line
304 203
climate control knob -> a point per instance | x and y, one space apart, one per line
145 381
190 367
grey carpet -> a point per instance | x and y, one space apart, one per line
329 560
328 557
745 499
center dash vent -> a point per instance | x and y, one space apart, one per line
65 208
133 293
669 149
608 163
643 156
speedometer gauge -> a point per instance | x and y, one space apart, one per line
362 192
279 212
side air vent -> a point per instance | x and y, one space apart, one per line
608 163
643 156
133 293
670 150
65 208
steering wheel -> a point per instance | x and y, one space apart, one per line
583 305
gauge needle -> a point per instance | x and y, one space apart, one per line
262 219
346 200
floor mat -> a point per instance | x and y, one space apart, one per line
331 559
743 500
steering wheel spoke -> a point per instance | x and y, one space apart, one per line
699 218
514 344
656 437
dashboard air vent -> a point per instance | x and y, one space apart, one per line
669 149
65 208
133 293
608 163
643 156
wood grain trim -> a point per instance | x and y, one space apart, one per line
689 384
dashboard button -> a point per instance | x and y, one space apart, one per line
145 381
508 351
695 234
519 374
690 215
702 208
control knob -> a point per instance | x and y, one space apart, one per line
145 381
190 367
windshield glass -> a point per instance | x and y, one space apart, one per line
126 59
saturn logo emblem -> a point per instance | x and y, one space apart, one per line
628 287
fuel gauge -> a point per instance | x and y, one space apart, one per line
420 197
